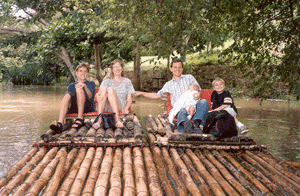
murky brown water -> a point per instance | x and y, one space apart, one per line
27 111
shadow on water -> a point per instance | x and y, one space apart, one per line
27 111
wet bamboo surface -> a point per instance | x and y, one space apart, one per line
150 170
162 163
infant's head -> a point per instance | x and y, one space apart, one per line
194 87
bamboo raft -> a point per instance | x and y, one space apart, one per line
149 158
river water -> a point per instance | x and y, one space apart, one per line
27 111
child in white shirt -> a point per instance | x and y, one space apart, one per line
185 101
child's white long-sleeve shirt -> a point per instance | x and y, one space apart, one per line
186 100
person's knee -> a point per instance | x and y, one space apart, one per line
110 91
202 104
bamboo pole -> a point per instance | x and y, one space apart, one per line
57 176
118 134
148 125
91 132
15 168
70 158
214 185
277 179
69 179
81 132
23 172
259 175
109 133
153 124
90 183
226 174
204 188
36 172
115 177
160 128
185 175
139 172
278 167
215 173
237 174
153 179
284 178
179 185
138 133
128 179
252 179
100 133
104 174
152 138
81 176
45 176
162 172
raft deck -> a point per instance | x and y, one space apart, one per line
148 159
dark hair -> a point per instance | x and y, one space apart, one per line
177 61
83 64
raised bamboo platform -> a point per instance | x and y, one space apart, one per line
156 161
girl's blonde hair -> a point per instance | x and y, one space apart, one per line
110 73
218 79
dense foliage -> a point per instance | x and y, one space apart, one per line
57 35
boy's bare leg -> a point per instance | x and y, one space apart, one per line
80 98
114 104
64 108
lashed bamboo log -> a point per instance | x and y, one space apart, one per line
23 172
284 178
275 178
109 133
139 172
45 176
226 174
118 134
179 185
214 185
91 132
160 127
162 172
153 179
104 174
128 179
198 179
185 175
253 180
70 158
296 164
153 124
81 176
46 136
275 165
167 125
36 172
57 176
93 173
136 121
81 132
100 133
69 179
138 133
72 132
237 174
15 168
115 177
262 178
148 125
152 138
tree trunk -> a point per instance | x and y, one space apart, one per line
137 69
65 57
98 63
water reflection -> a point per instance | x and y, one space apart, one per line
27 111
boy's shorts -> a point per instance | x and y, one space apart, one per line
231 111
88 106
